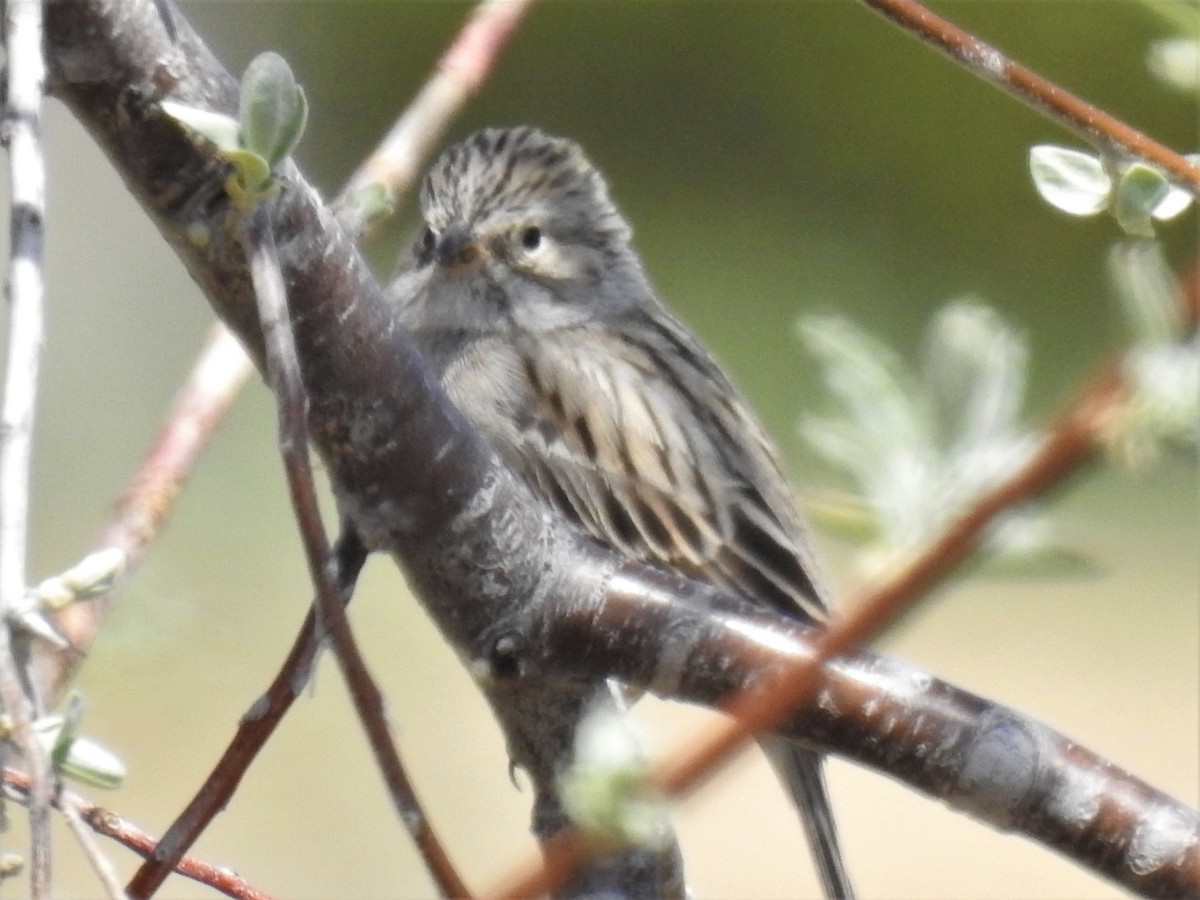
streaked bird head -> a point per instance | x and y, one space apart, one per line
520 233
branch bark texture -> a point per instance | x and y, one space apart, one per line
540 615
410 474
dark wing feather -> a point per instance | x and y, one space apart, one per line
634 433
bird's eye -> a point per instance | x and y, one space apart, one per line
423 249
531 237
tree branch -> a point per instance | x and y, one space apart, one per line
131 837
1089 122
26 72
494 569
255 727
460 72
1001 767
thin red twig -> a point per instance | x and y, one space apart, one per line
460 72
252 734
113 826
1089 122
284 371
286 381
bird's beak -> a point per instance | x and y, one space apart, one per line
459 249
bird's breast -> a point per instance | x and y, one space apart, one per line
485 378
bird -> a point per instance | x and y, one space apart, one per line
524 293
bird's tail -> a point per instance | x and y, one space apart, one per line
801 772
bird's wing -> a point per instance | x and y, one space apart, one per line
632 431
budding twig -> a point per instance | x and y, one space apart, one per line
100 863
26 72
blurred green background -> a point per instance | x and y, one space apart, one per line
775 158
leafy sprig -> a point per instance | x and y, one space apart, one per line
272 113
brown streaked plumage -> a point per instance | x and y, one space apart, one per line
526 296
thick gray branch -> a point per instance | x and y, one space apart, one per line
987 760
541 615
409 473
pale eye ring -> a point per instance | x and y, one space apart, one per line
531 237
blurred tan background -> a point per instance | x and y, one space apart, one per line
775 158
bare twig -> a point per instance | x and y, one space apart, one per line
1089 122
133 838
22 126
101 864
460 72
283 368
255 728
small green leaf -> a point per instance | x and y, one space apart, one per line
1070 180
1140 190
294 129
94 574
218 128
79 758
93 764
68 728
273 109
251 181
